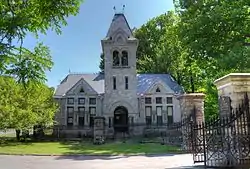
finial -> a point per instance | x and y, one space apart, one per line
69 71
123 7
114 9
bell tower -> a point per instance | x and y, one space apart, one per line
119 48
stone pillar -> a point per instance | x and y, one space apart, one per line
99 130
234 85
187 104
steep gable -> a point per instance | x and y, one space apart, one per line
95 81
147 81
81 87
159 87
118 23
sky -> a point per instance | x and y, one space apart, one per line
78 48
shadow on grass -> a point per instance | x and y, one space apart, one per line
110 151
10 141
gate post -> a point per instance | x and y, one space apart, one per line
235 86
187 104
99 130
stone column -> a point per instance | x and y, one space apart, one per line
187 104
99 130
234 85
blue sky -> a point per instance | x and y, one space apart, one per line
78 48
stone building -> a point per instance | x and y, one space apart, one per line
120 95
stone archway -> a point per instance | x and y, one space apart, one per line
121 119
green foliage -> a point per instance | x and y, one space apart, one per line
30 64
20 17
200 42
101 65
22 108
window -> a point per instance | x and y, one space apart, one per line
159 115
92 110
81 121
81 100
158 90
148 100
91 121
169 100
124 58
126 82
170 114
148 120
114 83
116 60
81 109
70 101
110 122
158 100
148 111
81 90
92 101
70 116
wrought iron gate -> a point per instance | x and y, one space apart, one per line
224 141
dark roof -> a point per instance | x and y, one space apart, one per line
119 21
145 81
96 81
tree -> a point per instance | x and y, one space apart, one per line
18 18
215 32
101 65
30 65
35 16
22 108
161 51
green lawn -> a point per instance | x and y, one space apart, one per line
77 148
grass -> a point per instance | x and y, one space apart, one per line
85 148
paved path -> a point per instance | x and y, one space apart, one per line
95 162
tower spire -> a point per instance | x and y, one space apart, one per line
123 8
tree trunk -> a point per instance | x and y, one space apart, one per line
18 132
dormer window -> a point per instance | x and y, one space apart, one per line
116 61
158 90
124 58
81 90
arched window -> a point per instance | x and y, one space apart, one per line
124 58
116 61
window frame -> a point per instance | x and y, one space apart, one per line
148 98
124 56
157 99
115 56
170 116
126 82
92 103
114 83
79 101
68 100
167 100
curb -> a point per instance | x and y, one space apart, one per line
91 155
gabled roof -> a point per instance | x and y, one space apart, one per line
96 81
119 22
145 81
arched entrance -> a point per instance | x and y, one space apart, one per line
121 119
